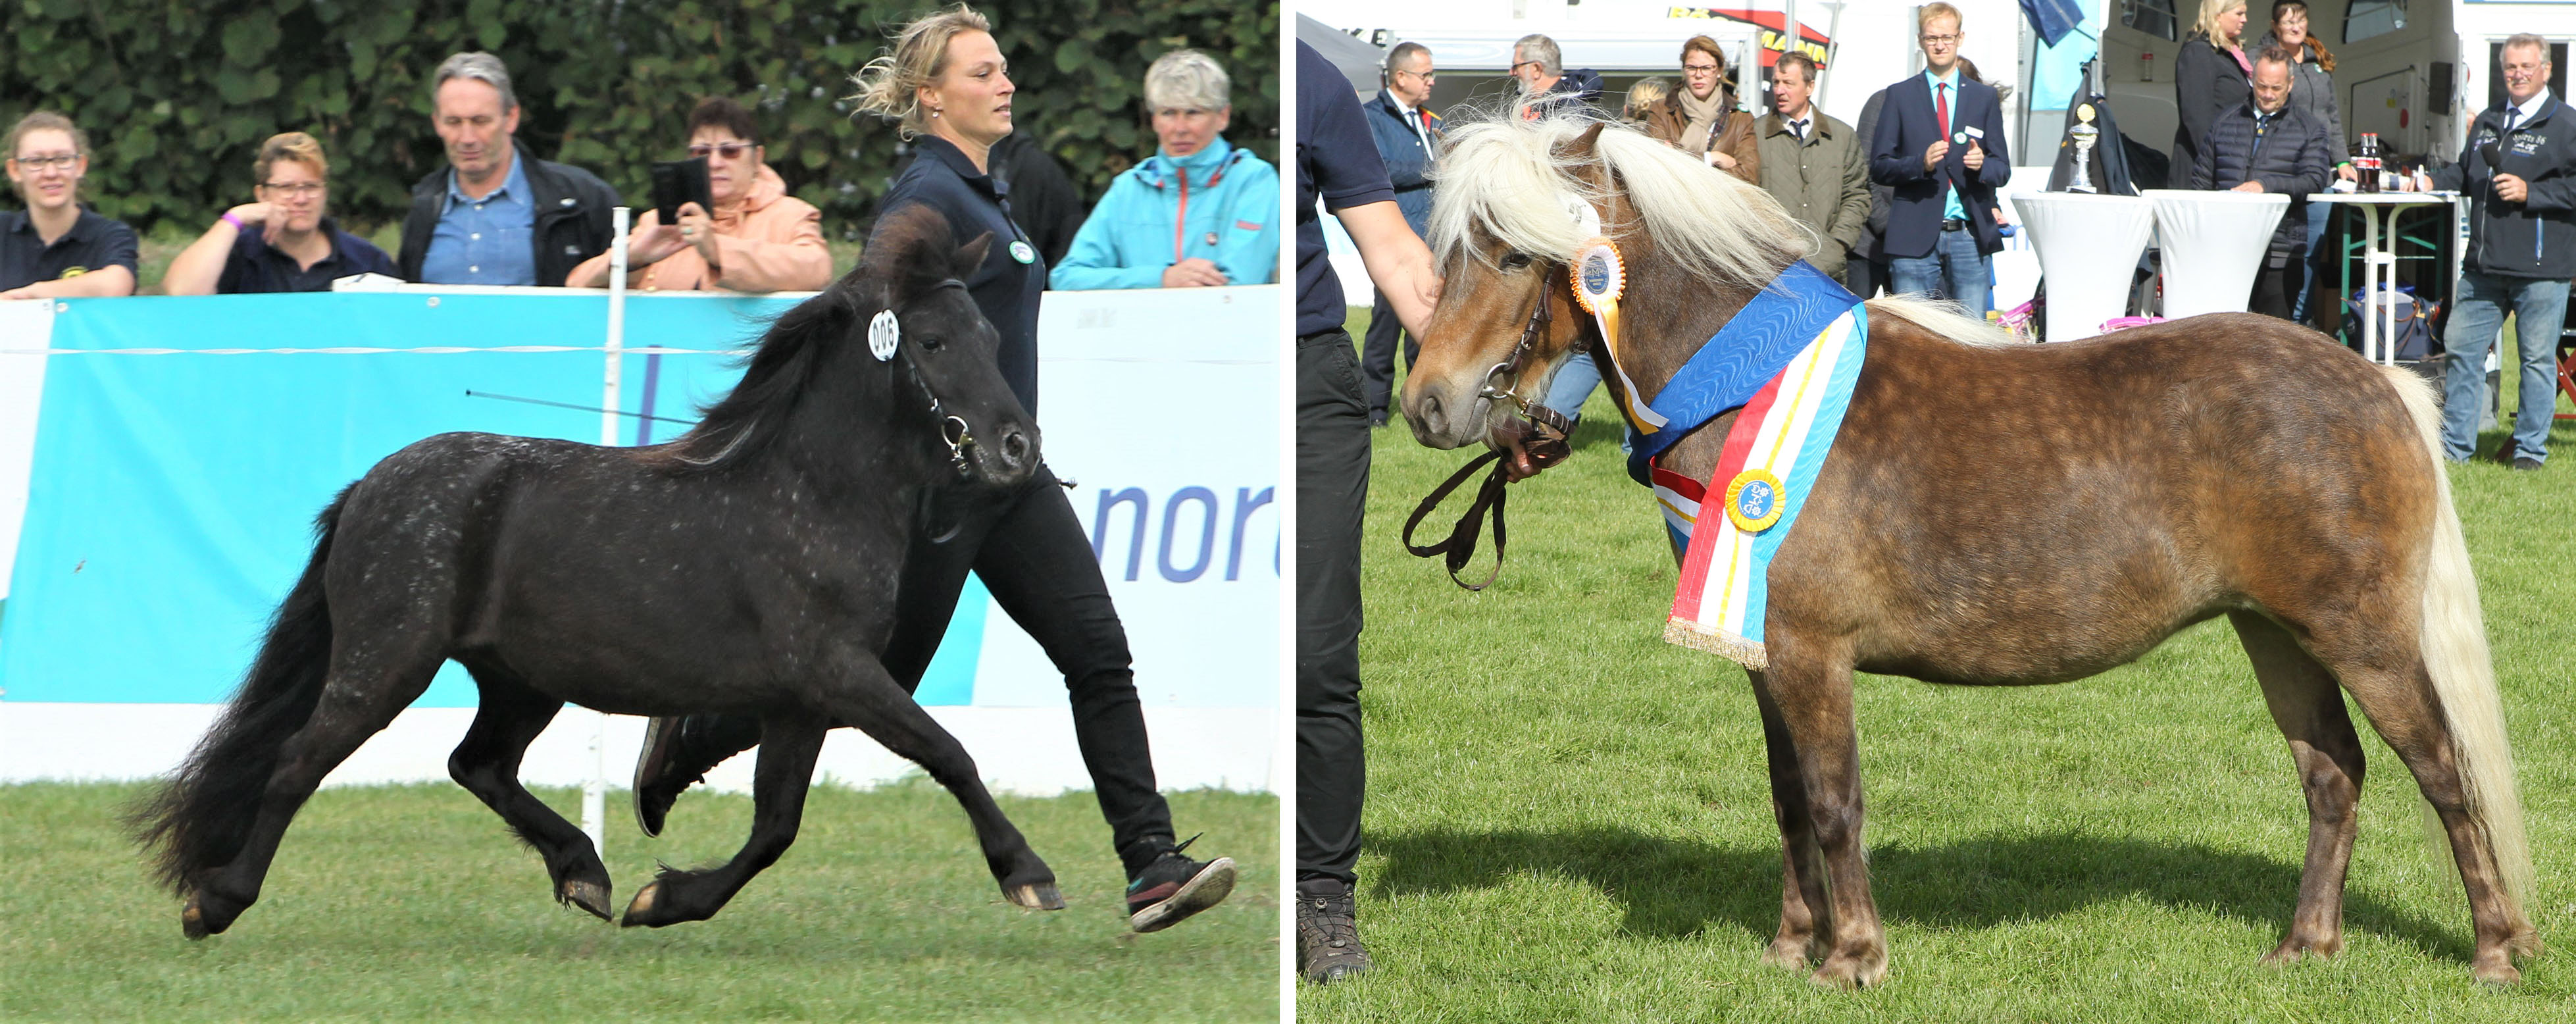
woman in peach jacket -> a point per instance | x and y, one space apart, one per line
759 238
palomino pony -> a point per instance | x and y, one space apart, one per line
1999 514
748 567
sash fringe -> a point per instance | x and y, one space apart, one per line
1683 632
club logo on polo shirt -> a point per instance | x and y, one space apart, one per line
72 272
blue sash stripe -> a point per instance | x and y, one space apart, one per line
1811 459
1746 353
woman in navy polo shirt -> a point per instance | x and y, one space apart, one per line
947 82
285 241
54 248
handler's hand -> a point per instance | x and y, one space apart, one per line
251 215
2251 186
1193 273
1975 158
1720 160
2511 189
1933 154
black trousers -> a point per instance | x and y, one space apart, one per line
2275 287
1377 357
1332 502
1035 559
1864 276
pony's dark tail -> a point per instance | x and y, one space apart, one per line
201 818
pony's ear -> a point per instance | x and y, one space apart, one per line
1584 144
971 254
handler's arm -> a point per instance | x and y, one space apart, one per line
1398 263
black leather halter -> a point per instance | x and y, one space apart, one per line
1546 436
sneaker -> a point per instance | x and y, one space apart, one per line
2526 463
1328 938
1174 887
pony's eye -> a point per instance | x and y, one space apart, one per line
1515 261
930 341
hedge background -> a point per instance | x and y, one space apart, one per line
176 95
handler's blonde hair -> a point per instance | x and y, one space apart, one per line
890 86
291 146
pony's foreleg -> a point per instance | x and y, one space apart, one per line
2308 706
1806 914
1813 698
889 716
788 745
355 704
487 765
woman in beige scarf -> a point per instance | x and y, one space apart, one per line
1701 119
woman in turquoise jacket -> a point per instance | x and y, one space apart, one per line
1197 213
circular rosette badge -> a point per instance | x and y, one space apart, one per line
1599 276
1754 499
883 333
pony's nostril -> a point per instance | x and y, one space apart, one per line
1432 419
1015 446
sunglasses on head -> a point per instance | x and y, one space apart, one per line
728 150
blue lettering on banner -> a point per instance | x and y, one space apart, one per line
1195 555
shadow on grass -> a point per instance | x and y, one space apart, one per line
1675 888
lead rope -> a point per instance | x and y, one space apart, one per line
1548 447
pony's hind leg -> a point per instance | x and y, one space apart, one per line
487 765
357 702
2308 706
1812 696
788 745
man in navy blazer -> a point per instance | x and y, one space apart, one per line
1940 145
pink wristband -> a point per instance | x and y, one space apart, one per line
228 218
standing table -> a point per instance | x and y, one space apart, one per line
2379 262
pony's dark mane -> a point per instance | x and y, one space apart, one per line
909 247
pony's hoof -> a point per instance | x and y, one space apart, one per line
2293 950
2496 970
640 910
1792 954
192 921
590 896
1850 972
1035 896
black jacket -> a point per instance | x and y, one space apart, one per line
2289 157
572 218
2207 83
2535 237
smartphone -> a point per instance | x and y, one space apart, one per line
680 181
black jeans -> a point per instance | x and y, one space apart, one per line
1332 502
2276 288
1034 557
1377 357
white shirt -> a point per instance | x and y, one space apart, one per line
1413 119
2521 114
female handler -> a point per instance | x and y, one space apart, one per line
947 82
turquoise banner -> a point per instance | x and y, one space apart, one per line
172 495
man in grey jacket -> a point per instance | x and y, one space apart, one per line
1816 166
2519 172
2267 145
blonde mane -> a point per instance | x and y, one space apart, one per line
1511 178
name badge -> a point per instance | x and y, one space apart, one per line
1973 132
1023 252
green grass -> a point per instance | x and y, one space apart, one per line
1568 818
414 903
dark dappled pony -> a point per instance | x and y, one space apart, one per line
748 567
2005 514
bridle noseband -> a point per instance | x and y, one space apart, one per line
1553 430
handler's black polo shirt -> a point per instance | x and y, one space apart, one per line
256 267
93 243
1005 289
1337 162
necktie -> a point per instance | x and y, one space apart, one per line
1799 128
1944 99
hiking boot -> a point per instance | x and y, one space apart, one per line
1328 938
1174 887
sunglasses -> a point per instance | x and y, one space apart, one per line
728 150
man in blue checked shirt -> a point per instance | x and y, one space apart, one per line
497 215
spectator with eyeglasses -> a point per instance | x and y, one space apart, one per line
757 239
496 215
281 241
54 248
1701 119
1199 213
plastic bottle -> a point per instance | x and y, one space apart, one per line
2366 166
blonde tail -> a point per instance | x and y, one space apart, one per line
2455 654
